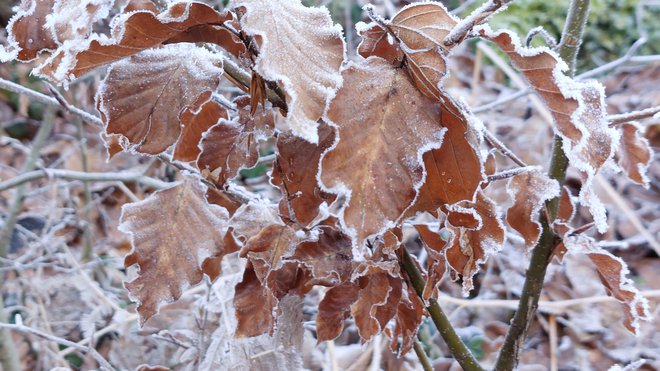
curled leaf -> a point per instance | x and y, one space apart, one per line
195 120
334 308
26 34
634 154
230 146
142 96
469 247
131 33
529 192
613 273
295 174
172 232
289 32
379 105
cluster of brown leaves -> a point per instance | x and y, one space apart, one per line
364 146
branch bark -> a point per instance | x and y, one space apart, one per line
515 338
458 349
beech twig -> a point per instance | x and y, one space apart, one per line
29 330
125 177
421 354
632 116
460 31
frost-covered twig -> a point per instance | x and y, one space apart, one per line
126 177
502 148
479 15
512 172
632 116
515 337
29 330
549 40
42 98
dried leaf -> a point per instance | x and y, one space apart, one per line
74 19
195 120
328 259
292 33
578 109
421 29
436 264
376 42
373 307
634 154
231 146
295 174
254 306
334 308
142 96
378 105
206 33
469 248
529 192
26 35
453 171
172 232
613 273
409 315
131 34
134 5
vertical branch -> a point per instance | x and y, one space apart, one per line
458 349
515 338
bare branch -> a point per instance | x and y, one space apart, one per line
460 31
126 177
506 174
632 116
29 330
502 148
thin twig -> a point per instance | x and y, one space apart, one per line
506 174
29 330
460 31
458 349
502 148
421 354
126 177
42 98
549 40
632 116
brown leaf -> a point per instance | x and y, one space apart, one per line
142 96
195 120
231 146
375 289
634 154
301 49
295 174
379 105
254 306
112 144
409 315
224 199
471 247
529 192
421 29
334 308
375 42
172 233
26 35
206 33
131 34
453 171
436 264
211 266
613 273
578 110
328 259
